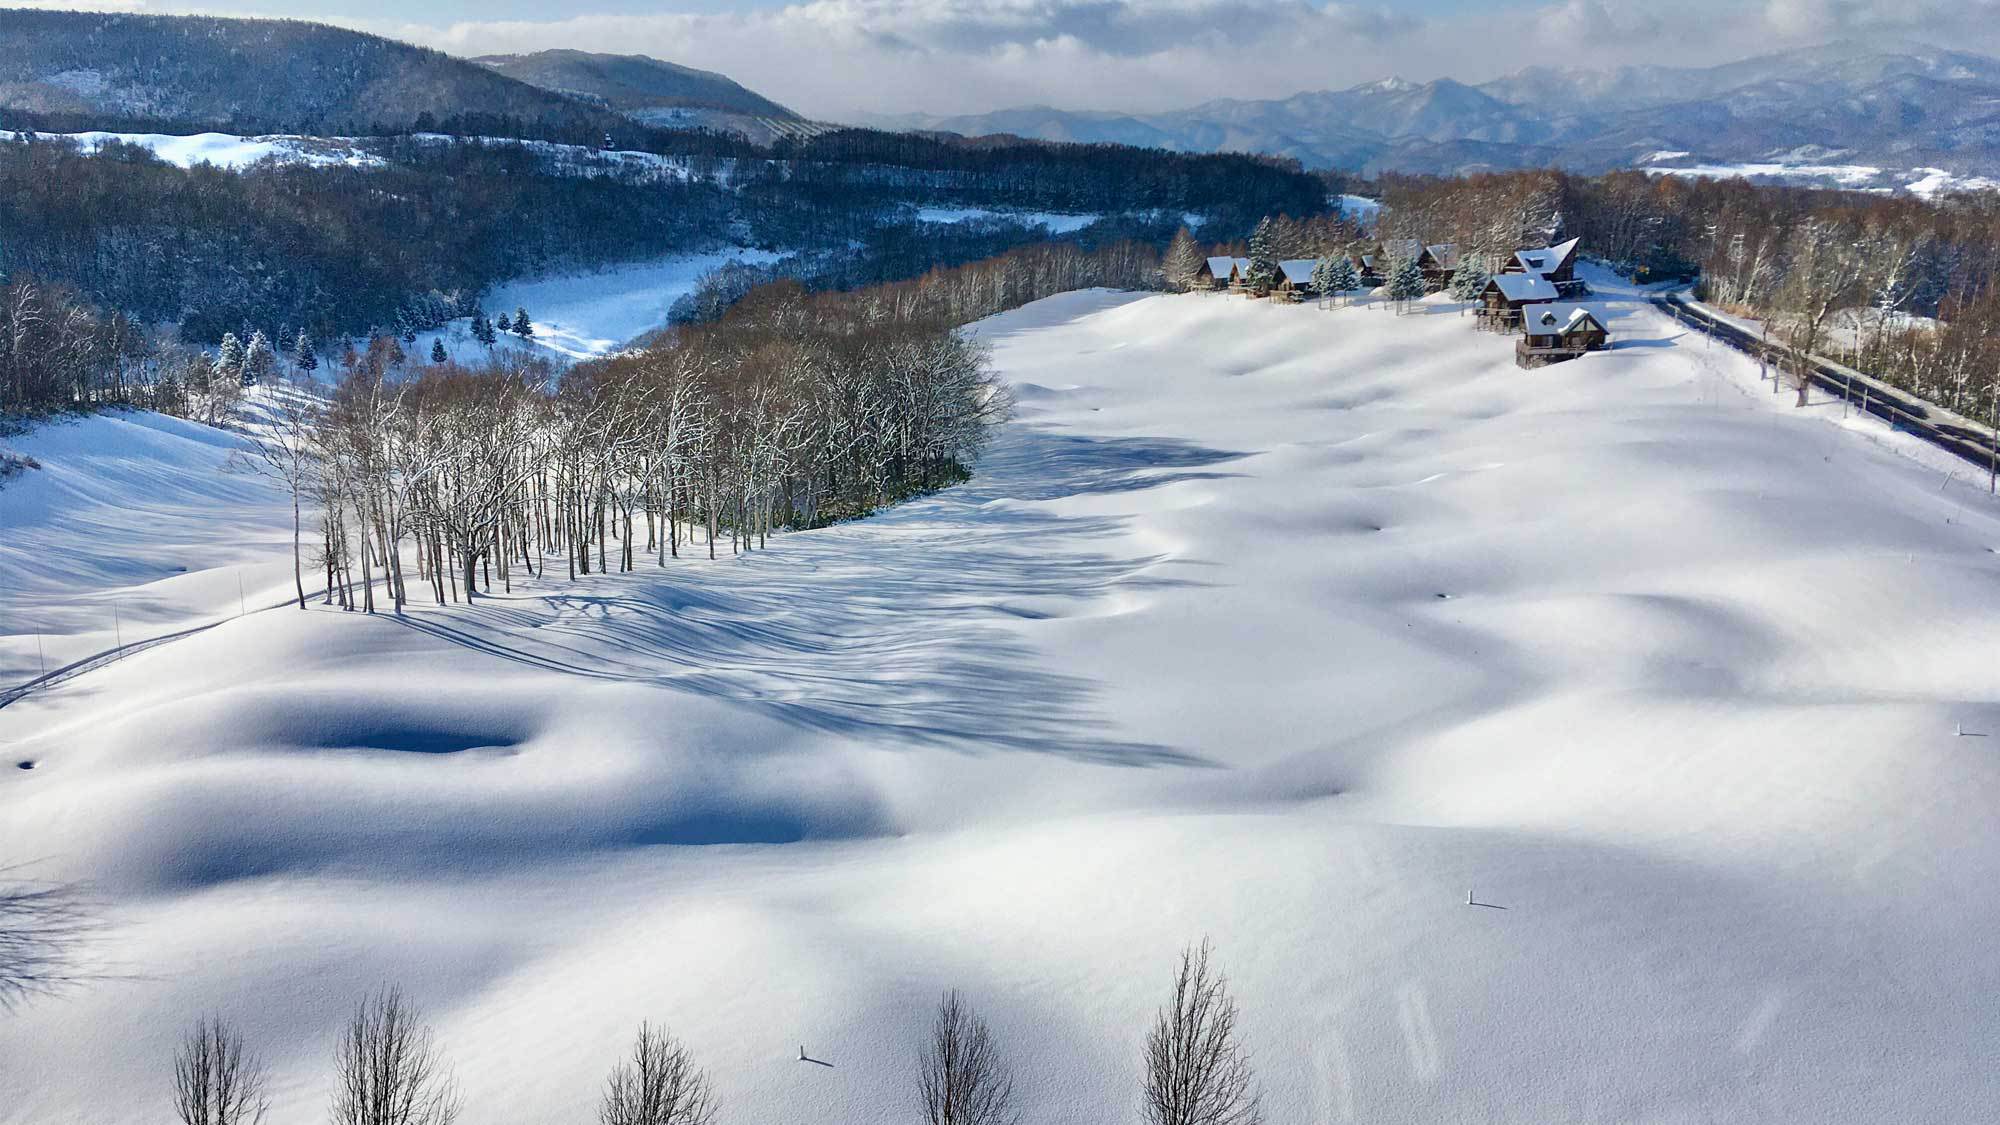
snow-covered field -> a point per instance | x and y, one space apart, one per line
1057 222
588 314
1283 626
224 150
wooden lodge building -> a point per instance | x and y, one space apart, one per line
1508 295
1557 263
1555 333
1295 279
1222 273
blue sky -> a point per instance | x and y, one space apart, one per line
848 59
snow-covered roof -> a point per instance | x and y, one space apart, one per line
1520 287
1555 320
1298 271
1546 260
1445 254
1220 266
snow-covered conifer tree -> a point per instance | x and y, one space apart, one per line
303 356
1263 257
1406 281
259 361
229 356
437 351
523 327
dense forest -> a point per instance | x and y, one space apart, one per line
343 250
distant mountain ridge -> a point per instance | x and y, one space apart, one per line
104 70
1886 107
650 90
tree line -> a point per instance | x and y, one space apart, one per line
793 410
390 1068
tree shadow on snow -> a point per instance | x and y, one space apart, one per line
903 627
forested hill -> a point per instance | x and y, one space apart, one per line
86 70
634 85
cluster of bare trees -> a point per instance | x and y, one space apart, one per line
389 1068
793 410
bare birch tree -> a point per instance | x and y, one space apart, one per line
961 1079
1197 1071
388 1068
215 1081
658 1085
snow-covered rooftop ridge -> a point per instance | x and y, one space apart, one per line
1553 319
1548 259
1524 286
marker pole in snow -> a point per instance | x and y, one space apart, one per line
117 628
240 611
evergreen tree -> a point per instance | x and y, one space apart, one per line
1183 260
482 329
1470 279
522 327
1406 280
259 361
437 351
229 356
303 355
503 324
1342 277
1263 257
409 335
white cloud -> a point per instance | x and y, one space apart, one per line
838 58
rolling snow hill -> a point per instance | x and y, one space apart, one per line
1288 627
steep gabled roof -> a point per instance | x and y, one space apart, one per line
1298 271
1547 260
1557 320
1445 254
1519 287
1219 267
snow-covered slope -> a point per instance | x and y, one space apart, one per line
1283 626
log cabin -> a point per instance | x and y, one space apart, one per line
1295 279
1214 273
1507 294
1438 262
1555 333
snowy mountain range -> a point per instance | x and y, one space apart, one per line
1884 108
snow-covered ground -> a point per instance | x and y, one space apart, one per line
581 315
1284 626
224 150
1056 221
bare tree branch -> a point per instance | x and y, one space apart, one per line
961 1079
389 1070
215 1082
1197 1072
658 1085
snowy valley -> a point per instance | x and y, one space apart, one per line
1605 742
